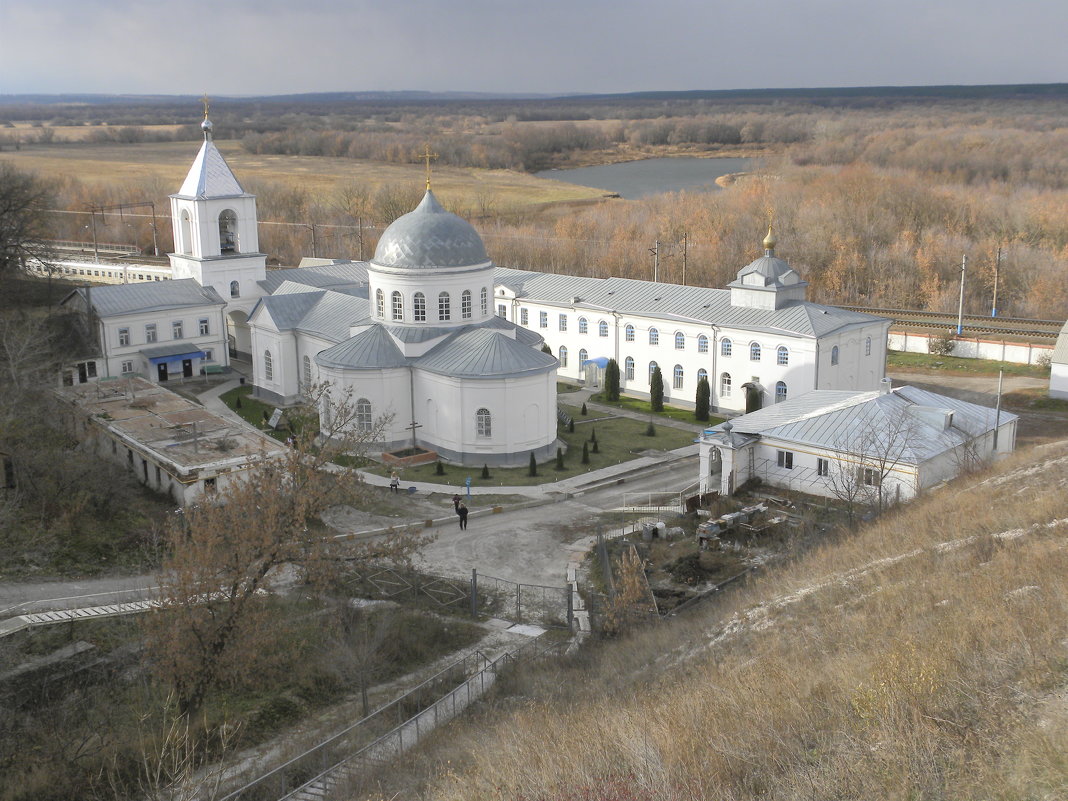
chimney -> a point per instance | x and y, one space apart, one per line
885 385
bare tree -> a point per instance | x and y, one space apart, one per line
23 200
212 627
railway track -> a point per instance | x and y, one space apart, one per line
972 323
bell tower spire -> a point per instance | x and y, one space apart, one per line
206 126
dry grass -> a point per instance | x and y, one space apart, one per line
924 657
169 161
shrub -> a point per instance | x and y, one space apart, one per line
560 459
650 430
485 471
533 468
439 468
585 453
941 345
583 411
571 426
237 402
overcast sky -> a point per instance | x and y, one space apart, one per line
229 47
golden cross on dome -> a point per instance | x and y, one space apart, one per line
427 156
206 103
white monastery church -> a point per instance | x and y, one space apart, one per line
431 337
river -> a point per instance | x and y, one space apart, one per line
632 179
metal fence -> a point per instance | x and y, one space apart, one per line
478 595
344 759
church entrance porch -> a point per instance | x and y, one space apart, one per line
239 335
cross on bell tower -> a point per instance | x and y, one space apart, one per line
427 156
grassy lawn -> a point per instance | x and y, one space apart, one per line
1034 398
253 411
619 440
930 363
643 406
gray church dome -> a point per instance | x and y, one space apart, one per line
429 237
768 271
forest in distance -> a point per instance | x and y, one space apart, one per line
875 199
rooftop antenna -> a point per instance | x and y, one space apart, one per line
427 156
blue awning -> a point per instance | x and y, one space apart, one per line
600 361
172 353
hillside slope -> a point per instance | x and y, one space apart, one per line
924 657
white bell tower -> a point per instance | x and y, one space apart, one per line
215 230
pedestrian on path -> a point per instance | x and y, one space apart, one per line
394 482
461 510
456 503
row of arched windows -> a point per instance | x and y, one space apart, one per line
725 384
396 305
782 353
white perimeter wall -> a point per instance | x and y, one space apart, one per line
974 348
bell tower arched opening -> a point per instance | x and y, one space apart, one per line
228 240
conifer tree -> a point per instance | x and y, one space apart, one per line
585 453
485 471
611 381
703 400
559 458
656 391
533 469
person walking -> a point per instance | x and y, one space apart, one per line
394 482
461 510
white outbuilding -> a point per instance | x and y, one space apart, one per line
883 445
1058 368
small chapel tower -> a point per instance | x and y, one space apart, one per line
215 229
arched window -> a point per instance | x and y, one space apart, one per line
676 377
485 301
563 356
483 423
583 358
725 385
235 289
380 303
702 343
307 372
780 391
680 340
584 326
363 415
629 366
654 336
724 347
754 351
652 369
602 328
268 366
465 304
628 333
782 355
834 355
419 307
396 306
867 346
228 231
187 234
443 306
702 375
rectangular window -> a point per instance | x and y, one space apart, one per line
786 459
502 311
823 467
209 355
543 319
204 328
871 477
176 329
150 332
124 337
90 369
127 367
524 316
563 322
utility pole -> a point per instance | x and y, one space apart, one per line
96 247
994 304
685 243
960 305
655 250
315 250
360 219
997 413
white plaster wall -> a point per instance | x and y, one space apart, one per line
432 283
798 374
974 348
1058 381
190 317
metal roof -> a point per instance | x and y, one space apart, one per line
1060 350
430 237
210 176
906 420
339 275
772 272
119 299
289 309
485 353
333 315
678 303
371 349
